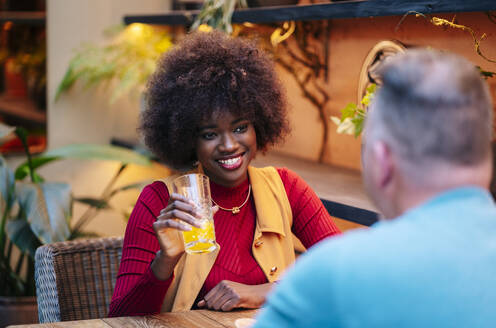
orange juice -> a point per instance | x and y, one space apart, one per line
196 187
200 240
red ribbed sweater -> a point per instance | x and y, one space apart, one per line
138 292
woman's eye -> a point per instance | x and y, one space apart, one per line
241 128
208 135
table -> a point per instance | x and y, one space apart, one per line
187 319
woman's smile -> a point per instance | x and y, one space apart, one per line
231 163
225 147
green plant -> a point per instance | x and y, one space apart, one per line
353 115
35 212
125 62
217 14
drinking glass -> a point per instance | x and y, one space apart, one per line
196 187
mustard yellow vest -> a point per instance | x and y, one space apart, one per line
272 246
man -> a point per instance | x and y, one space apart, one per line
427 166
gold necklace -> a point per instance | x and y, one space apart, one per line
235 209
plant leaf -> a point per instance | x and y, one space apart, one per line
126 82
358 122
346 127
93 202
23 169
14 286
348 111
22 236
102 152
136 185
369 95
22 134
131 48
67 81
371 88
7 199
217 14
48 208
7 185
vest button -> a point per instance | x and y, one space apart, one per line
258 243
273 270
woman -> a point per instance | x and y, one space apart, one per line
213 103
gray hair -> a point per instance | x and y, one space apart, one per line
433 106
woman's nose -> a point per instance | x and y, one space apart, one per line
228 143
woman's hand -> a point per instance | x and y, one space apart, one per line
228 295
179 215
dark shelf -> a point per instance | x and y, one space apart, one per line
346 9
23 109
23 17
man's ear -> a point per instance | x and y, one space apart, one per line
384 164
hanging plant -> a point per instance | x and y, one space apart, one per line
125 61
217 14
353 115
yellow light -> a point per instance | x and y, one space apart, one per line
137 33
205 28
135 29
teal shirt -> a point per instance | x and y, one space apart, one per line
435 266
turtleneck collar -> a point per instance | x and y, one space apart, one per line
229 196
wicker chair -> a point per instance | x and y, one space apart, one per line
75 279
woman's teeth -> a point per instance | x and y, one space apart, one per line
230 161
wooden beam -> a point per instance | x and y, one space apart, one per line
344 9
23 17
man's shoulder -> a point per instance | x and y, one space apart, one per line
319 279
360 251
405 243
367 240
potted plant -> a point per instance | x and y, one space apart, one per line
124 62
217 14
34 212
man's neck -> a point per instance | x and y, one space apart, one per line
413 192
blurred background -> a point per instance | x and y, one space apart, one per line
71 77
